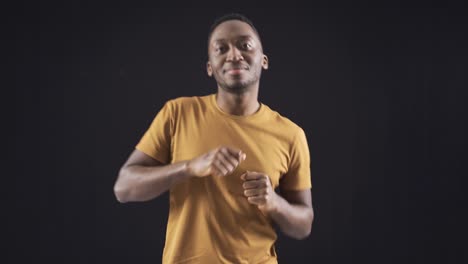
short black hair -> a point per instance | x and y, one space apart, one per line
231 16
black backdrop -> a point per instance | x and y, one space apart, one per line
380 93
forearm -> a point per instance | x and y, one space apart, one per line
294 220
138 183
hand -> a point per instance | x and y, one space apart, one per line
219 162
258 190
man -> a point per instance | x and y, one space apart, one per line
221 156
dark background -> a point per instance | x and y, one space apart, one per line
380 93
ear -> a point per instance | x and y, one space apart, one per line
209 70
265 62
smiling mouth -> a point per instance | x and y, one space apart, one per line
235 71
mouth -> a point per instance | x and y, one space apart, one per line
236 70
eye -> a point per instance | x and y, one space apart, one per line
220 49
246 45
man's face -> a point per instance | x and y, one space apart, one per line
235 56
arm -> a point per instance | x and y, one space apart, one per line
291 211
143 178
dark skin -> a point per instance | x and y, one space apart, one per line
236 61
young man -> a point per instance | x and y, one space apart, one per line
221 156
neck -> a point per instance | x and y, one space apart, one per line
242 104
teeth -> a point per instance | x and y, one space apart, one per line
233 69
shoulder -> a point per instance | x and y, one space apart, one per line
186 105
187 101
283 122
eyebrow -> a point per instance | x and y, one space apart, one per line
241 37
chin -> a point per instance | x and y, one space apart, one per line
236 87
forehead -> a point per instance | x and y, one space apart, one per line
233 29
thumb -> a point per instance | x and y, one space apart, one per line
242 156
244 175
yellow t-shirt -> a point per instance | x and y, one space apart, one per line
210 220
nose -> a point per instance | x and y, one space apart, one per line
234 55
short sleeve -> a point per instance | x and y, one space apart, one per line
298 175
156 142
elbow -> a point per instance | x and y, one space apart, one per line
307 228
303 234
121 193
121 190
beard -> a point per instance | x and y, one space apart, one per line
236 86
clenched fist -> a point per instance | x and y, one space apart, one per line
218 162
259 192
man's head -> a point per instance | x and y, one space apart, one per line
235 53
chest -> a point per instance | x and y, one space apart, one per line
266 150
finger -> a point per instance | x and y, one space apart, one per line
228 160
220 167
250 175
212 170
257 200
237 153
255 192
242 157
244 175
254 184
